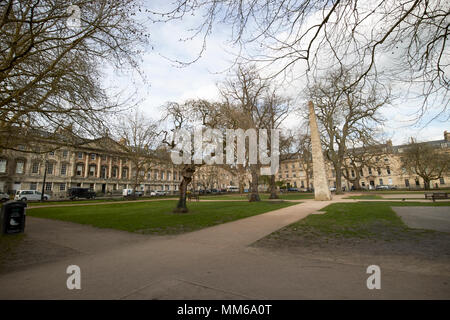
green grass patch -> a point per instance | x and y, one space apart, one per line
263 196
375 220
8 243
156 217
367 197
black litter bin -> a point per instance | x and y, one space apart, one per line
12 219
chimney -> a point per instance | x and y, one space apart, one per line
446 135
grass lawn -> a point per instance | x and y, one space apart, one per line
404 191
374 220
156 217
367 197
285 196
8 243
37 203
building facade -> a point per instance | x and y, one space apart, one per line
387 170
101 165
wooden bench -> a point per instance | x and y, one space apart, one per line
436 195
195 196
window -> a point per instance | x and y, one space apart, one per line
2 165
379 171
103 172
162 175
48 186
62 187
103 156
124 173
51 153
63 169
168 175
353 173
19 166
92 171
65 153
21 147
91 186
33 186
92 156
407 183
381 181
80 155
175 175
50 168
370 170
441 181
35 167
156 174
388 170
114 172
79 170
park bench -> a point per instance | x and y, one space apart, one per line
195 196
436 195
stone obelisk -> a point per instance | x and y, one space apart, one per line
321 189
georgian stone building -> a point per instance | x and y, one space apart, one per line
387 171
101 165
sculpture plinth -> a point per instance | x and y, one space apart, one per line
321 189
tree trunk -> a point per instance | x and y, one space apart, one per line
273 188
308 187
338 171
181 206
254 196
187 173
426 184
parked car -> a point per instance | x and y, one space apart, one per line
27 195
76 193
293 189
157 193
129 193
382 187
333 189
4 197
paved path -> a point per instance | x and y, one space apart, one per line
432 218
213 263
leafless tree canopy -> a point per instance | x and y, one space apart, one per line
346 114
395 40
50 63
426 161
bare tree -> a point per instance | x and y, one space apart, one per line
192 113
362 153
345 113
138 135
51 53
254 104
360 35
426 161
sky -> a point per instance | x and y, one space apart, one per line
161 80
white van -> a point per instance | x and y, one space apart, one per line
233 189
27 195
129 192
